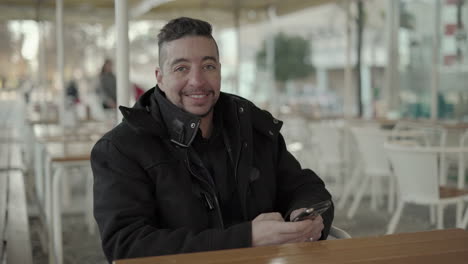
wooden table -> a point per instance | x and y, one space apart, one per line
438 246
60 157
54 154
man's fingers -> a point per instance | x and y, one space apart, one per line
270 229
269 217
302 231
292 227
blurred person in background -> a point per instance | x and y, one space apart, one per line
107 85
137 91
191 168
72 92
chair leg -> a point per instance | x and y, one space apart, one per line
374 183
349 187
440 216
89 202
391 193
459 213
66 187
432 214
358 197
395 218
464 222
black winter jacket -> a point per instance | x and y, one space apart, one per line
149 198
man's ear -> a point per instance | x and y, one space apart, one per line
159 75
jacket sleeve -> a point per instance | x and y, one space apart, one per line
125 210
300 188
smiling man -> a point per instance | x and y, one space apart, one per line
193 169
190 75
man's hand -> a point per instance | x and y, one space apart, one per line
316 220
271 229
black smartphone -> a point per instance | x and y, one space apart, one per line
314 210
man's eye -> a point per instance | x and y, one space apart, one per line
210 67
181 69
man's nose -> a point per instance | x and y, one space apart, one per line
197 78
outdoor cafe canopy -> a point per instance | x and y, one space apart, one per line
222 11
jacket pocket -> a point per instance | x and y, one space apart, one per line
258 193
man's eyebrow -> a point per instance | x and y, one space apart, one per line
186 60
178 61
210 58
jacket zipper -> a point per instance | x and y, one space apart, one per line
213 193
236 169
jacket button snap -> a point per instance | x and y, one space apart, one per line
271 133
275 121
192 125
245 144
241 109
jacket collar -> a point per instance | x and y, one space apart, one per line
182 126
154 114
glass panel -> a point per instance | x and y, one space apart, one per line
416 40
453 96
417 37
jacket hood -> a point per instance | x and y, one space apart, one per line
144 116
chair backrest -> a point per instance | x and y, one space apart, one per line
462 161
328 138
464 139
425 134
370 143
338 233
416 170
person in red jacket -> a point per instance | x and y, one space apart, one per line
191 168
137 91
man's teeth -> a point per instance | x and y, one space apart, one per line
197 95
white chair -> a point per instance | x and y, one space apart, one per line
462 223
296 133
337 233
328 137
425 134
417 170
373 169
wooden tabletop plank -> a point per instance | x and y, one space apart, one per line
449 257
69 151
410 246
333 245
420 251
72 158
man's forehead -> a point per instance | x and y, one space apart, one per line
184 49
191 42
177 59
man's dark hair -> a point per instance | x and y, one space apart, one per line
182 27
